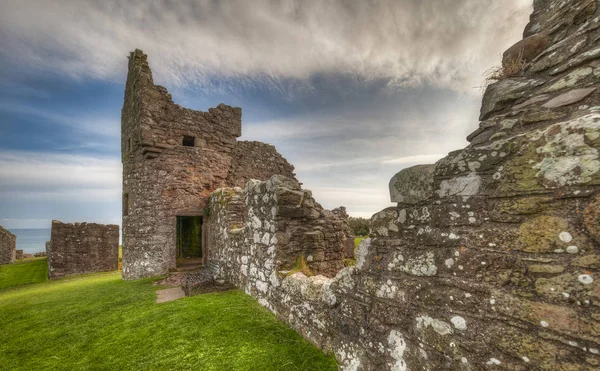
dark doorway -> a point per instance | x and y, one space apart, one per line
189 237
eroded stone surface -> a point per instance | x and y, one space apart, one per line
568 98
412 185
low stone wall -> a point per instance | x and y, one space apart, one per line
8 245
273 225
82 248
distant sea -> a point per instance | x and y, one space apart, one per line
31 240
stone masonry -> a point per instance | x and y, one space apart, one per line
173 159
257 232
80 248
491 258
8 246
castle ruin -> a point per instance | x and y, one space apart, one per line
489 260
173 159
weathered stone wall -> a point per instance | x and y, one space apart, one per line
8 246
80 248
267 227
19 255
491 258
173 158
256 160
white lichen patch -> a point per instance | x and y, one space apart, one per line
397 346
493 361
389 290
572 249
449 263
402 216
327 295
397 258
465 186
459 322
423 265
441 327
565 237
586 279
361 252
568 159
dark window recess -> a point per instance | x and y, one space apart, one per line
188 141
125 204
128 145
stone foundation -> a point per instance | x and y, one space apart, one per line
8 246
82 248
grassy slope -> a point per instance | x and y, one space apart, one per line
102 323
22 272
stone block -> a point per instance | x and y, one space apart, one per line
412 185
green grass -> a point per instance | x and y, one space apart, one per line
357 241
23 272
100 322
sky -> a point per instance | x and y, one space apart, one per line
350 92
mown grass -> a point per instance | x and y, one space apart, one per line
100 322
23 272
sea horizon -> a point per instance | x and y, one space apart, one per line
31 240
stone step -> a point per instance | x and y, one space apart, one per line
171 294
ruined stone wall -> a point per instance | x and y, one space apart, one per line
8 246
491 258
256 160
173 158
268 227
80 248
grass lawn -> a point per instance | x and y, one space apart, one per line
22 272
99 322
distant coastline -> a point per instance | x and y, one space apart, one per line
31 240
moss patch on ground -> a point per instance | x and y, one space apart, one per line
101 322
23 272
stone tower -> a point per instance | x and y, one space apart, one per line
173 158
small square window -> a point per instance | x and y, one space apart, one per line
188 141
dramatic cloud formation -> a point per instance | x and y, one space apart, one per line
448 43
349 91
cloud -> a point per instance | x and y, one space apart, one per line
447 43
86 124
32 177
418 159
